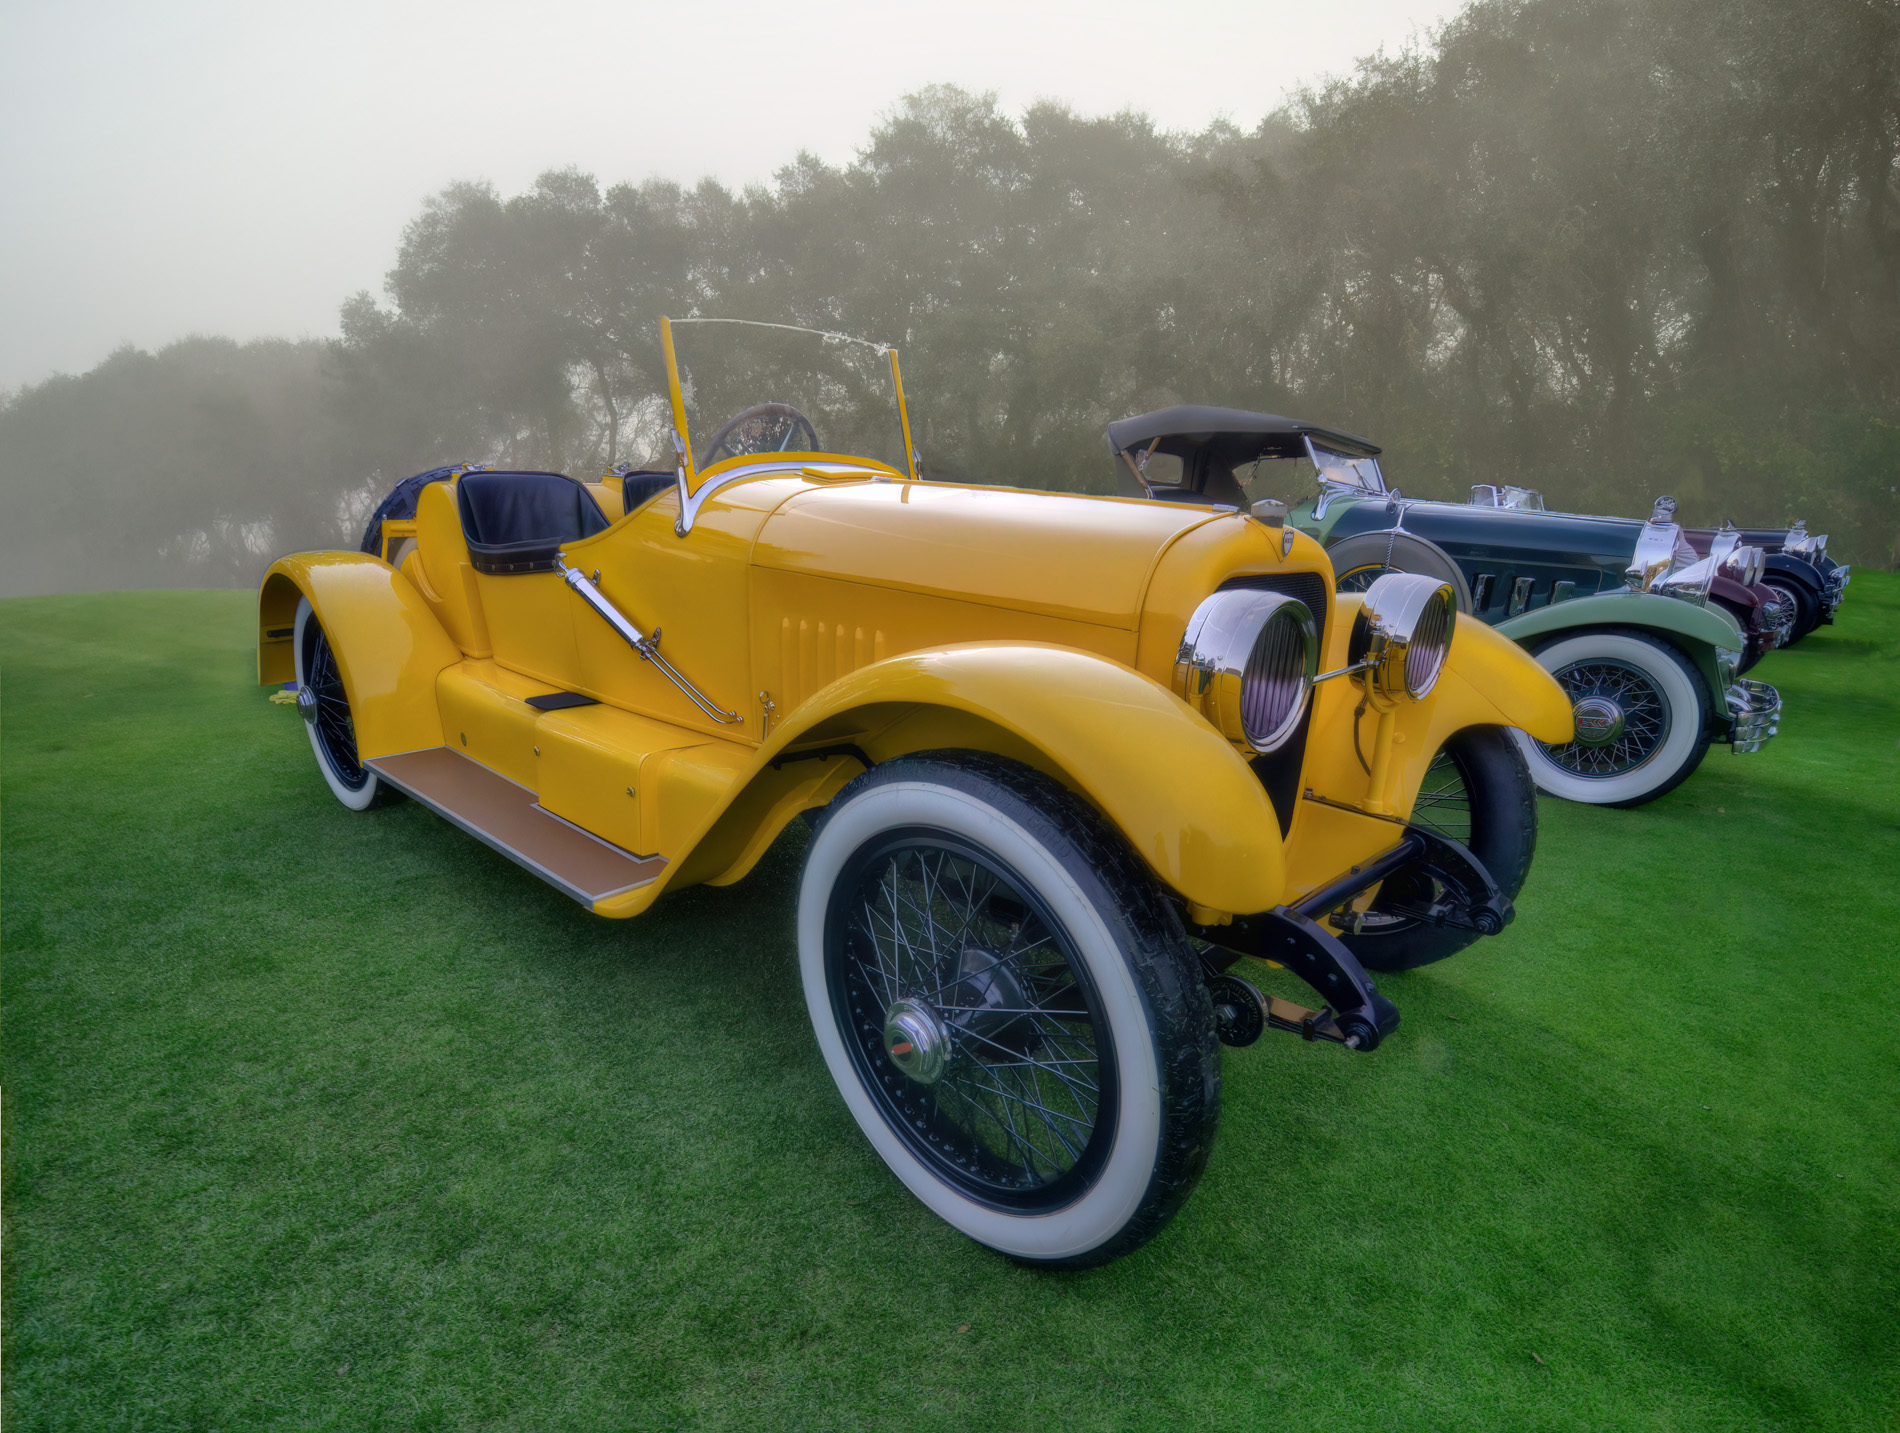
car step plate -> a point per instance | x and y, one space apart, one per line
494 809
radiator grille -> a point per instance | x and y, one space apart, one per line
1279 772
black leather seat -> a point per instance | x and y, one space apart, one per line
516 522
641 485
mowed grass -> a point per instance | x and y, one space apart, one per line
322 1120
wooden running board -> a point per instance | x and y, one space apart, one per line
493 809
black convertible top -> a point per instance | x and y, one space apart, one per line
1232 436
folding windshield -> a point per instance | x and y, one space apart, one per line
745 389
1343 471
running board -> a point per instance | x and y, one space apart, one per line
493 809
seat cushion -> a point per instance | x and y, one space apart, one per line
640 485
516 522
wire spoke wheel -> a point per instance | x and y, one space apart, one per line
324 706
972 1022
332 727
1361 578
1633 723
1477 792
1443 806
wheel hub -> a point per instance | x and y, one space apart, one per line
989 1000
1600 721
307 704
916 1041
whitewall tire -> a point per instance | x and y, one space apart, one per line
1642 719
325 708
939 895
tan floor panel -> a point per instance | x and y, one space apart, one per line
494 809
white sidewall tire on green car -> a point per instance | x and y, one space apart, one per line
1676 684
1164 1119
371 792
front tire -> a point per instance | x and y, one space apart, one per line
1649 706
1807 607
1009 1007
1477 792
332 733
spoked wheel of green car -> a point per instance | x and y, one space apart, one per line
324 706
1642 714
1009 1007
1477 792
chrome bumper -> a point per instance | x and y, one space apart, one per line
1836 589
1754 710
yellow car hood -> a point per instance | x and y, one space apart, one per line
1083 559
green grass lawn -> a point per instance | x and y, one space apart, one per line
321 1120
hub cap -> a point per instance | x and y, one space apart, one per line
1599 721
916 1041
1628 719
307 704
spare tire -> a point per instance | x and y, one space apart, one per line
401 505
1360 559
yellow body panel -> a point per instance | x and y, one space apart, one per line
439 569
1043 553
1131 747
389 646
867 620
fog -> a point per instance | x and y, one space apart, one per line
235 168
1608 249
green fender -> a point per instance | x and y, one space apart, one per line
1698 631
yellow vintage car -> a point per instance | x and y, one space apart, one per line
1065 759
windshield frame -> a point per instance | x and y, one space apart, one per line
687 470
1343 461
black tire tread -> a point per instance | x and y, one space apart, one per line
1515 842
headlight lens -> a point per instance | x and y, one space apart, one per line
1247 662
1404 633
1665 563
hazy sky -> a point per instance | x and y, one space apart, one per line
239 168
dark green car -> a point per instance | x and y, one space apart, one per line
1641 629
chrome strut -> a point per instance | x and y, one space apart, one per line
647 647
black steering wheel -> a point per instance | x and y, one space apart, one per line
762 428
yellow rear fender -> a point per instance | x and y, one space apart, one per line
1181 796
389 646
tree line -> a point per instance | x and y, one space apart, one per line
1605 248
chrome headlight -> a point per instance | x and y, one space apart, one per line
1691 583
1799 544
1745 565
1665 563
1731 559
1246 664
1403 634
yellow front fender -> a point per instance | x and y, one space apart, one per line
389 646
1181 796
1507 678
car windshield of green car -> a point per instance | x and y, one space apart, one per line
1358 475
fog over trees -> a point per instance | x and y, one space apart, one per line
1606 248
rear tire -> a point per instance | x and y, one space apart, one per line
332 733
1479 793
940 894
1665 710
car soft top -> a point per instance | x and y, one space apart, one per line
1231 436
